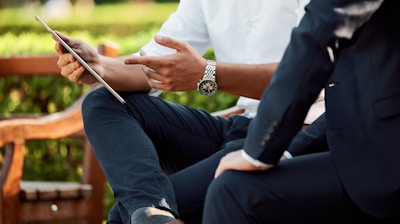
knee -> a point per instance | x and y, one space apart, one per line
95 105
220 190
94 99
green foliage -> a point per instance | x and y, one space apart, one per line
54 160
121 20
37 95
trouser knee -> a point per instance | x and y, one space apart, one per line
220 190
95 98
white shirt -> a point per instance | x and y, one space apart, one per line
239 31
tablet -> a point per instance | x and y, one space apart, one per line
70 50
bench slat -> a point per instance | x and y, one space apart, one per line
33 65
41 190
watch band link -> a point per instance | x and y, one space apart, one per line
209 72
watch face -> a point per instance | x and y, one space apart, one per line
208 87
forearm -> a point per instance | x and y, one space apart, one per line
124 77
244 80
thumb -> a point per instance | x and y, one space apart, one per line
59 47
72 42
65 38
170 42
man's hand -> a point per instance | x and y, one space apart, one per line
70 67
235 161
175 72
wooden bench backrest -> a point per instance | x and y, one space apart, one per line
29 65
15 132
43 64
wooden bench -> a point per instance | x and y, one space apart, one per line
44 201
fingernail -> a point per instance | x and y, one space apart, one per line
158 37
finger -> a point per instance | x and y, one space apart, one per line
70 68
59 48
231 161
66 59
151 74
76 74
155 84
220 169
65 38
149 61
221 166
142 53
73 43
170 42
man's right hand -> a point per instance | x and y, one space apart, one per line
71 68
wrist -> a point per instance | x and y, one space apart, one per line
253 161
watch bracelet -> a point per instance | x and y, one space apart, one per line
210 70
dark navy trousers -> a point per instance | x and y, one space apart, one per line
157 153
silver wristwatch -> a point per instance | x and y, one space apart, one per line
207 85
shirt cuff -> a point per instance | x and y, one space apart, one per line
255 162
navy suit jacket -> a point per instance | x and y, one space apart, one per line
352 49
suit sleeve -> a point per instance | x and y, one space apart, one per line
310 140
302 73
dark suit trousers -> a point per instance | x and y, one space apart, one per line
304 189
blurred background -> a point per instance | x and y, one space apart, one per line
127 23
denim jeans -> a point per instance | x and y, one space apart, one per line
157 153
